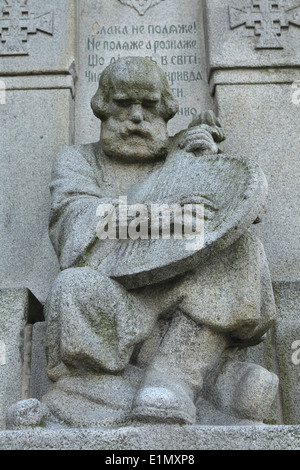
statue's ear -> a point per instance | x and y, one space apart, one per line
169 106
100 100
99 104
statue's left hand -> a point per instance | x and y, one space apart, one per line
199 139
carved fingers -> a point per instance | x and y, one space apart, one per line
198 139
212 122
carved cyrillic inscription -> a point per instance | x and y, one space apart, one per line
174 47
267 18
16 22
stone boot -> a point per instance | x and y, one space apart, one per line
245 390
186 353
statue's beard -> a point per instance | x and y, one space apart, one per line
125 140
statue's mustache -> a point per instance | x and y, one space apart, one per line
138 130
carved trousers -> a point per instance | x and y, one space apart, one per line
94 323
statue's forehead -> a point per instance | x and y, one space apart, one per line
126 79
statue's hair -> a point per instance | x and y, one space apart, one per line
100 100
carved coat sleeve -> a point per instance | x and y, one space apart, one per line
75 196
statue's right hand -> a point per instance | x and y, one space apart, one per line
198 139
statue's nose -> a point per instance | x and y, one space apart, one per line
136 113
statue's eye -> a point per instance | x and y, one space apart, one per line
149 103
124 103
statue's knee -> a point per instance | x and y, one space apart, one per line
71 283
71 278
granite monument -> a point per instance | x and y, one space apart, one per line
149 231
136 326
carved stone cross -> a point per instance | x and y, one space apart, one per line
267 18
16 22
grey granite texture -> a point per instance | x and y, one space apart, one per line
258 111
39 382
276 353
156 437
37 122
233 189
287 343
46 42
27 413
236 48
37 70
18 308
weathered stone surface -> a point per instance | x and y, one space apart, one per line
37 37
37 54
18 307
264 354
251 109
255 79
238 387
29 121
246 79
287 338
39 381
157 437
252 34
233 188
24 414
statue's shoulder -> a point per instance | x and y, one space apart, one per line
78 155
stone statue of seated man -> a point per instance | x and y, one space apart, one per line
148 341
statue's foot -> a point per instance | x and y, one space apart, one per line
91 400
245 390
169 402
25 414
256 391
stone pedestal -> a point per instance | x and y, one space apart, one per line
157 437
